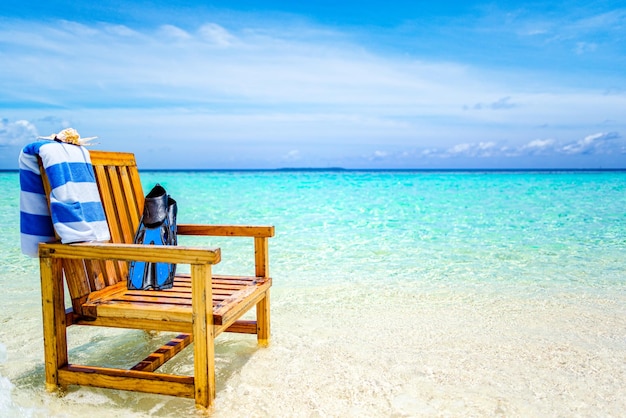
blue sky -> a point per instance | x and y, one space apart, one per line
243 84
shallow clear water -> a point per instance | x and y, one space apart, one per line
395 294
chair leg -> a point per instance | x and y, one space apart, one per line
203 336
263 320
261 257
54 324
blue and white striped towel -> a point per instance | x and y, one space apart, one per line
75 213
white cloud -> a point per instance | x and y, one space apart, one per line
592 144
120 30
109 64
603 22
533 31
16 133
460 149
597 144
69 27
536 147
585 47
480 149
289 86
563 27
503 103
291 156
380 155
500 104
174 33
116 66
539 144
216 34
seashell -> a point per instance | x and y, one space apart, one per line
69 136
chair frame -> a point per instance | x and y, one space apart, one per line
200 306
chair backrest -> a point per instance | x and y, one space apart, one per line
122 197
121 192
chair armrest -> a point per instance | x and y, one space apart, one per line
131 252
259 233
226 230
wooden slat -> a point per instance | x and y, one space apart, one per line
130 252
135 323
135 181
232 310
128 179
112 158
104 186
261 257
113 271
105 177
96 273
138 381
117 302
222 279
181 299
226 230
132 205
121 206
77 282
116 271
156 296
108 292
164 353
235 297
239 326
263 320
55 341
204 350
148 311
243 327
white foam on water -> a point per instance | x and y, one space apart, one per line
9 408
5 394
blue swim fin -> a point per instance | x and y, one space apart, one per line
157 227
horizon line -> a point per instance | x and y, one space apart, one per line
340 169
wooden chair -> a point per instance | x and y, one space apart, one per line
200 305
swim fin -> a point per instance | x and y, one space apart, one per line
157 227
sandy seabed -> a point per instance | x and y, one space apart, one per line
338 351
429 357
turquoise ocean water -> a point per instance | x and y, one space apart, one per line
395 294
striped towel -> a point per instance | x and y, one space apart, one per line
75 213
